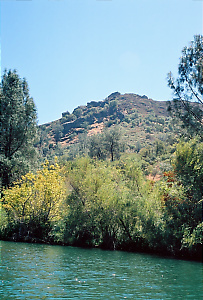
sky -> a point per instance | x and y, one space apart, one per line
74 51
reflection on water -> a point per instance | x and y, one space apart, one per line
32 271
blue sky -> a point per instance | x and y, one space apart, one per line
75 51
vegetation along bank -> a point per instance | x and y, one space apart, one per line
128 173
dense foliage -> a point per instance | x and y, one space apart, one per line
103 191
112 205
18 128
188 87
33 205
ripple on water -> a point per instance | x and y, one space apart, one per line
54 272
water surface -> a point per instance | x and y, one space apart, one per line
34 271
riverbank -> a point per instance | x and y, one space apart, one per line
113 206
133 248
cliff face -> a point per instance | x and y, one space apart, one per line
138 115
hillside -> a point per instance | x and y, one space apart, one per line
142 119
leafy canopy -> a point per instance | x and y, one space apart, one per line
36 200
188 88
18 118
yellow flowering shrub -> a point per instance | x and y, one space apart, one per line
37 196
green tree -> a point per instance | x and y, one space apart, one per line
43 141
188 165
96 147
34 204
188 87
112 142
182 195
57 129
159 147
113 106
18 128
78 112
96 204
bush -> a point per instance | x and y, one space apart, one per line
34 204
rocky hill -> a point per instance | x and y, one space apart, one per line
142 120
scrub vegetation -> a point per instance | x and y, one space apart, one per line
129 173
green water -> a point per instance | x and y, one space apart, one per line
32 271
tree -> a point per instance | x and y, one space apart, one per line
188 88
112 142
18 128
113 106
99 203
188 166
57 129
96 146
35 203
